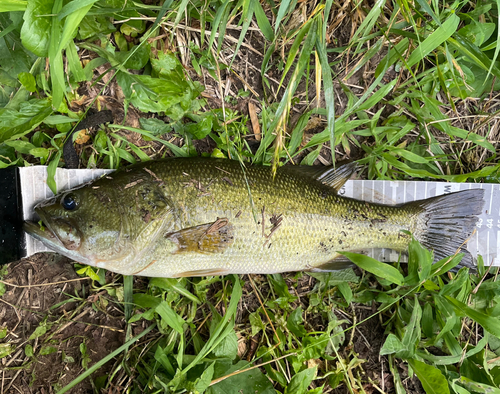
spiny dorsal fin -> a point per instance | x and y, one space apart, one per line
206 238
329 176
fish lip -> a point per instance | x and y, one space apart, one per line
51 241
52 234
47 224
45 234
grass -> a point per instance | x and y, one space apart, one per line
406 88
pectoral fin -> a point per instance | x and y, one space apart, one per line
206 238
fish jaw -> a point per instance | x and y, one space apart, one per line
49 239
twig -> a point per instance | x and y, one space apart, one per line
43 284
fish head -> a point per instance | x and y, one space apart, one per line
107 224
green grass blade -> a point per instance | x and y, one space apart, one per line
292 53
280 115
174 148
180 12
367 25
222 9
75 5
440 35
369 264
169 316
51 172
497 46
426 7
474 54
74 63
224 328
329 93
285 4
489 323
13 5
247 15
263 22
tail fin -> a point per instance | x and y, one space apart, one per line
449 221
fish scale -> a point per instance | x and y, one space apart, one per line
190 217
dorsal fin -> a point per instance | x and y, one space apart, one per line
329 176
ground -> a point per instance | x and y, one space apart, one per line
48 302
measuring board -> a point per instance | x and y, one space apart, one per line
486 240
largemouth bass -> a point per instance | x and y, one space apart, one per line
193 217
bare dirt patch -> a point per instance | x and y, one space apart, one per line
56 330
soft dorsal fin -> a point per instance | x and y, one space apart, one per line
329 176
206 238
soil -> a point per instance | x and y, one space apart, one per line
73 314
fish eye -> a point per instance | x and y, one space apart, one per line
69 202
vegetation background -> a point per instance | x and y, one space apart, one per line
406 88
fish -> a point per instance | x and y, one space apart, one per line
185 217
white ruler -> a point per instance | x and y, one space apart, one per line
486 240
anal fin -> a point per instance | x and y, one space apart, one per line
206 238
336 264
206 272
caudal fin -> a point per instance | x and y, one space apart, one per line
448 221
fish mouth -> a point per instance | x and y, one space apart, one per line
47 234
44 234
